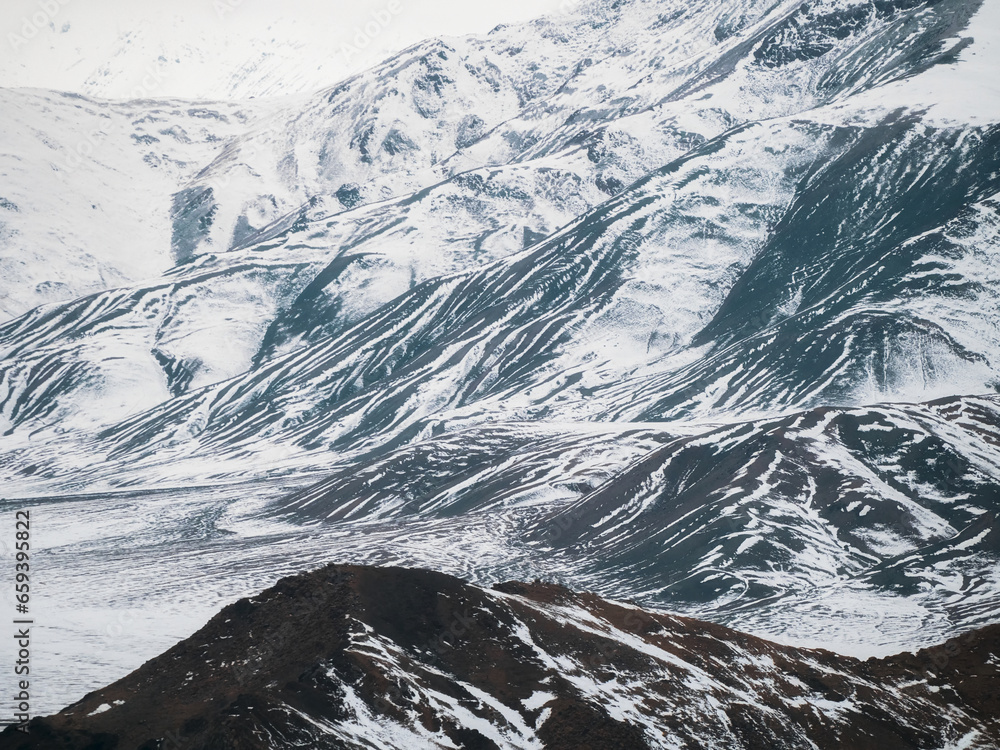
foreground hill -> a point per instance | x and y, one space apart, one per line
361 657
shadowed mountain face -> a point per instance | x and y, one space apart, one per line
877 496
355 657
695 304
845 517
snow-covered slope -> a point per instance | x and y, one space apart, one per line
572 269
85 189
708 229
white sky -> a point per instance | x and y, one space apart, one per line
110 47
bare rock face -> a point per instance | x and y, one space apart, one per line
361 657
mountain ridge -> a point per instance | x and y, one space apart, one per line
348 656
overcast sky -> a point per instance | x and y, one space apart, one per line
193 47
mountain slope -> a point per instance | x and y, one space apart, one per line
86 191
891 299
718 279
354 657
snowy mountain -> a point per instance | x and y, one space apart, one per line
691 304
86 189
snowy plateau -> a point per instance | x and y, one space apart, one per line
691 306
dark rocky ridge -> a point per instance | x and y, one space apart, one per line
361 657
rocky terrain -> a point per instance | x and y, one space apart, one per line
361 657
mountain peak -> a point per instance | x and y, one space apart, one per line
353 656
